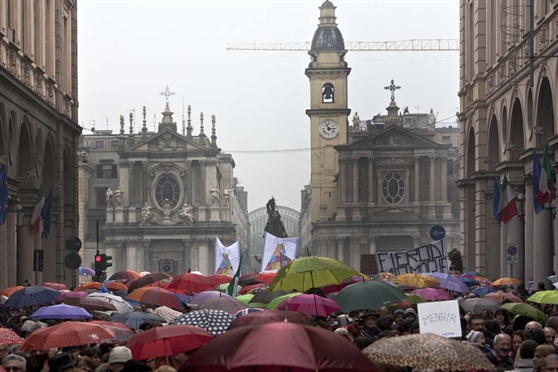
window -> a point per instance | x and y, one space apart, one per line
99 145
101 198
393 188
167 188
446 139
328 93
107 171
114 145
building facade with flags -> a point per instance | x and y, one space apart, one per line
39 134
507 120
160 197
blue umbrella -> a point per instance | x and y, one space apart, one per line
469 282
86 271
473 273
31 296
61 311
450 282
483 291
134 320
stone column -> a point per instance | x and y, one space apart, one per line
25 251
529 231
4 256
515 236
186 256
356 207
145 188
417 180
111 248
194 255
432 186
40 35
4 17
371 181
341 249
16 22
142 248
131 255
372 244
444 177
37 246
542 247
341 187
11 253
124 182
29 28
503 244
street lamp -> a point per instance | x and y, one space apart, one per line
20 215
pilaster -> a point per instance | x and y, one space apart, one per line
356 207
432 186
124 181
11 250
372 244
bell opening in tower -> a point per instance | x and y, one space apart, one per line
328 93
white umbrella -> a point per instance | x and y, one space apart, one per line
121 305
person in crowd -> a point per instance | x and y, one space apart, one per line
550 363
38 363
14 363
118 357
367 324
410 313
4 351
94 354
384 323
541 352
517 338
61 363
503 318
85 363
398 316
134 365
477 338
533 324
524 360
537 335
73 351
476 323
549 334
502 347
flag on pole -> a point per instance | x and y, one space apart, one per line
36 219
508 208
45 214
537 172
546 186
231 289
3 195
496 201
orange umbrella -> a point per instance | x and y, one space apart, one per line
126 274
502 296
265 277
90 285
115 286
8 291
506 281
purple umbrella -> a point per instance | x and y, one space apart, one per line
86 271
61 311
202 297
63 295
310 305
432 294
450 282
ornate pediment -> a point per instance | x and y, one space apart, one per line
393 162
167 140
394 137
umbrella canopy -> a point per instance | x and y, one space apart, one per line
338 287
506 281
245 299
310 304
55 286
269 316
31 296
228 304
416 280
96 304
276 301
291 346
477 305
120 305
432 294
166 313
156 296
200 298
265 277
503 296
215 322
8 291
369 295
552 278
247 311
450 282
9 337
90 285
219 279
384 277
86 271
311 272
144 273
265 296
413 299
189 283
134 320
473 274
121 331
248 279
61 311
126 275
63 295
148 279
469 282
524 309
545 297
483 291
249 288
167 341
428 351
115 286
66 334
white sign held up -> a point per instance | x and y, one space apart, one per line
441 318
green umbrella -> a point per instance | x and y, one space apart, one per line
368 295
311 272
412 299
245 299
524 309
545 297
276 301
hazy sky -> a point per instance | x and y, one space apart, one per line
130 50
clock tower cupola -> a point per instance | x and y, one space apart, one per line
329 112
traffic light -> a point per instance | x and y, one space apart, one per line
101 264
105 261
98 265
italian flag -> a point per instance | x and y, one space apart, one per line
546 187
507 208
36 220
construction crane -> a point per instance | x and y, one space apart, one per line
413 45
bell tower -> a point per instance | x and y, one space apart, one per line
328 73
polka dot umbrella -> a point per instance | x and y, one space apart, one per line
215 322
9 337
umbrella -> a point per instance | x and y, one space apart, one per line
477 305
432 294
545 297
90 285
524 309
552 279
121 331
483 291
156 296
166 313
311 272
428 351
278 346
247 279
265 277
506 281
189 283
310 304
503 296
126 274
92 304
61 311
469 282
31 296
413 299
245 299
473 274
276 301
384 277
249 288
215 322
66 334
416 280
134 320
115 286
63 295
55 286
247 311
228 304
219 279
144 273
450 282
9 337
200 298
369 295
265 296
86 271
269 316
338 287
9 291
167 341
120 305
148 279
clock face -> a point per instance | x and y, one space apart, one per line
329 129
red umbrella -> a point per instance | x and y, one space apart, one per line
121 331
115 286
167 341
189 283
156 296
247 279
270 316
310 305
219 279
56 286
265 277
251 287
8 291
285 345
66 334
9 337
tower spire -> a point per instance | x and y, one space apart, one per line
202 133
213 132
189 127
144 127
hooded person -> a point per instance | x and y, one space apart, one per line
118 357
61 362
410 313
399 316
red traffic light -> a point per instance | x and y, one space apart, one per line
98 258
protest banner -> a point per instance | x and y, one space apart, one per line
277 252
441 318
227 259
426 259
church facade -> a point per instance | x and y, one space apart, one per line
160 198
380 184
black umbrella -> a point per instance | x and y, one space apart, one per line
266 296
136 319
148 279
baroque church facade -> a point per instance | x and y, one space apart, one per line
160 197
379 185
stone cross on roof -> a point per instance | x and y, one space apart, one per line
392 87
167 93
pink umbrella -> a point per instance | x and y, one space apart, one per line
432 294
63 295
202 297
310 305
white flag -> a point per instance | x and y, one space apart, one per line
227 259
273 248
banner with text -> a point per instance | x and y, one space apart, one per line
227 259
426 259
277 252
440 318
